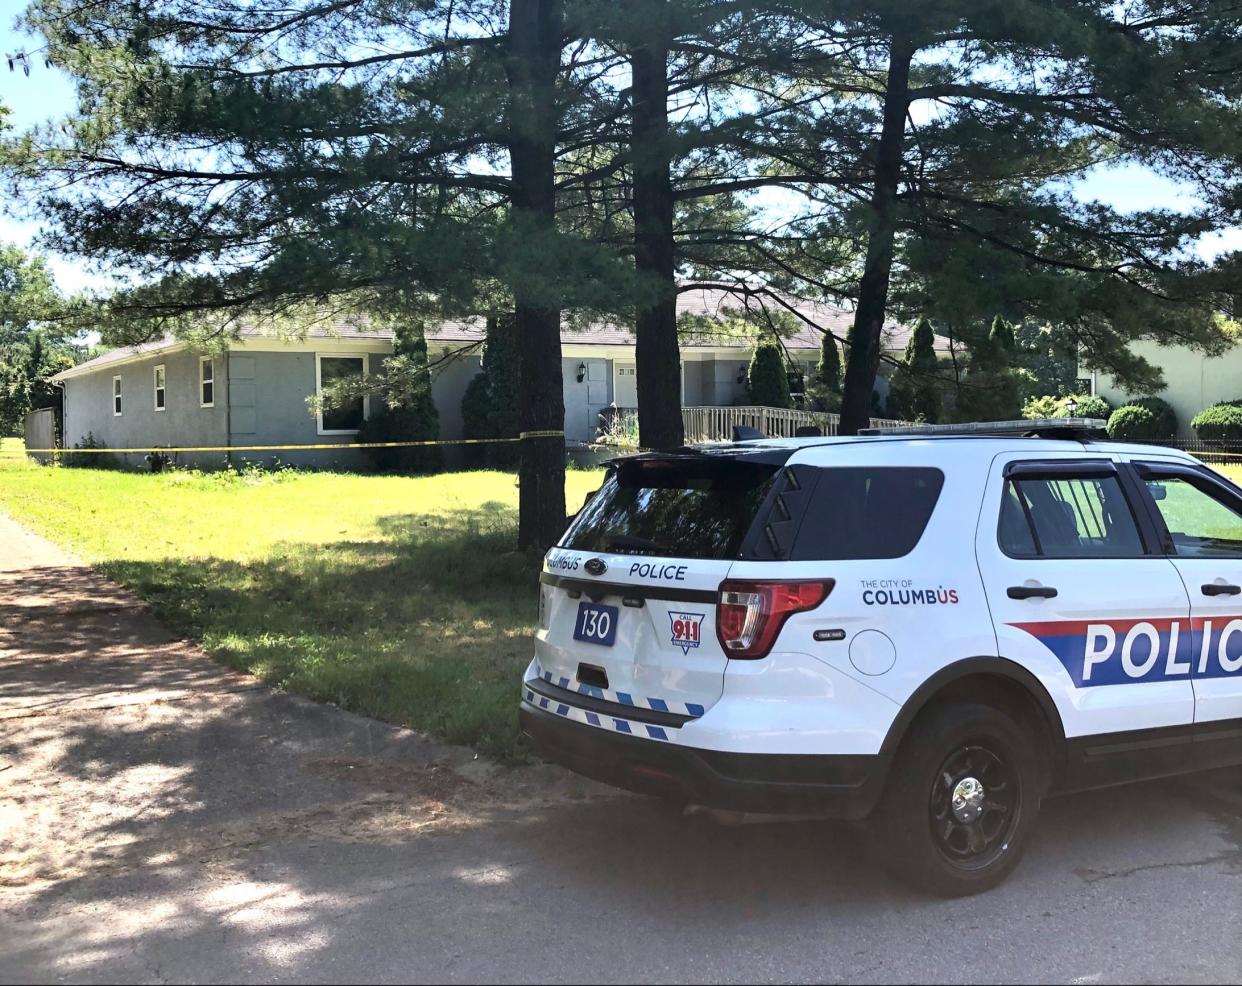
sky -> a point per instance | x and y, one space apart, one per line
47 94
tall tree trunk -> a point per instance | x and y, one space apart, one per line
657 356
533 64
863 355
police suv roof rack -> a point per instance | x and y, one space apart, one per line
1074 429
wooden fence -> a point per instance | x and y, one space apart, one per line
40 431
714 424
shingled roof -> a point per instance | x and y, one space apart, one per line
711 303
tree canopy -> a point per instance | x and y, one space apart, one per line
283 159
32 349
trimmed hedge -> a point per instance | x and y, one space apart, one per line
1133 423
1143 419
1088 407
1220 421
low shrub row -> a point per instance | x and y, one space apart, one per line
1141 419
1221 421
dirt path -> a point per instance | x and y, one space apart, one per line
164 819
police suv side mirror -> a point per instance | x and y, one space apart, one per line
1158 491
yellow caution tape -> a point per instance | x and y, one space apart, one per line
294 448
1220 455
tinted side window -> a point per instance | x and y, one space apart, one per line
867 513
1201 523
1068 517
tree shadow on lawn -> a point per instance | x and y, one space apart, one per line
429 626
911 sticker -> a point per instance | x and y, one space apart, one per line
1121 652
687 630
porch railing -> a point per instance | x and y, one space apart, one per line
714 424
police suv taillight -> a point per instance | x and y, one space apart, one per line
749 614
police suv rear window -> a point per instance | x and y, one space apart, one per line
692 507
868 513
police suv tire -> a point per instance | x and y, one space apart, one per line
946 746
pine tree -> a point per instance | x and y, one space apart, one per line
957 124
353 165
489 407
914 394
991 390
402 408
824 388
31 348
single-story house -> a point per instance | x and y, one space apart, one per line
1192 380
256 391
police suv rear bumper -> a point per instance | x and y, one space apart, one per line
844 787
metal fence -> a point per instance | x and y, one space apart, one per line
1225 452
713 424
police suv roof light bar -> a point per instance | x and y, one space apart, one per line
1075 429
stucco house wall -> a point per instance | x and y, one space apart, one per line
268 394
1192 380
184 422
448 386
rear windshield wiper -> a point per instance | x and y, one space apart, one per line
623 541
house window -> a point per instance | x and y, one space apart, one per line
206 382
347 418
116 396
159 388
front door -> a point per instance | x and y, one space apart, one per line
1082 596
1201 518
625 385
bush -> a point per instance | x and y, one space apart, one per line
1144 419
1220 421
1040 407
768 384
1133 423
1088 406
476 418
94 460
404 424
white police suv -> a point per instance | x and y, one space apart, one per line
926 628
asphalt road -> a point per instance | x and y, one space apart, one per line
164 820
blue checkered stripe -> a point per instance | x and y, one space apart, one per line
596 719
603 721
691 709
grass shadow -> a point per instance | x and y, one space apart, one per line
429 627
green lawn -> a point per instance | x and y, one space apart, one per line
400 598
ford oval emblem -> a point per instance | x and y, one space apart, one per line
596 566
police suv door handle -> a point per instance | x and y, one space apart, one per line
1031 592
1221 589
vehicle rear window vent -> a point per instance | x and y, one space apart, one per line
774 543
782 516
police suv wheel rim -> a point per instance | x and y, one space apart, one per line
974 807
